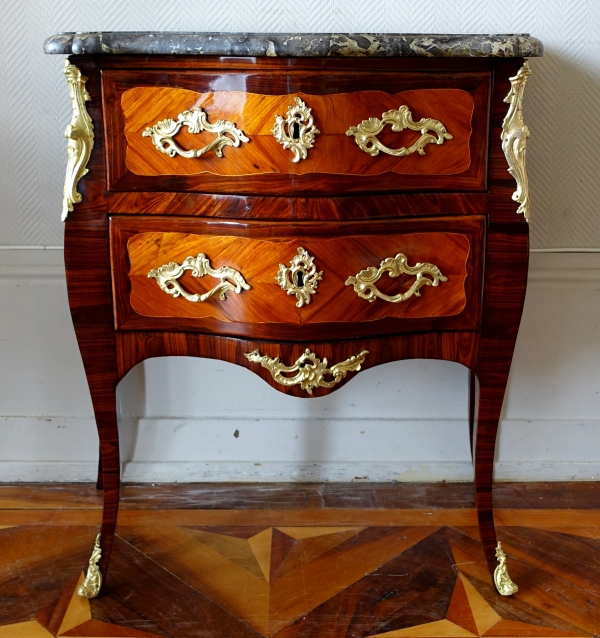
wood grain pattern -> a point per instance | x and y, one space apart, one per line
333 300
506 266
258 261
169 63
281 86
340 250
436 585
87 265
584 523
298 208
134 347
391 580
575 496
333 152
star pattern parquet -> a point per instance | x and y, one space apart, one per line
300 581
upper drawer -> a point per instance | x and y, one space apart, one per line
267 134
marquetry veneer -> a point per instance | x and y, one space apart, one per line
338 99
266 311
152 223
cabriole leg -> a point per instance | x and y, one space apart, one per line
111 476
486 429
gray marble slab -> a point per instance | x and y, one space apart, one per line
295 44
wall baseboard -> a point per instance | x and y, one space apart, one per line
85 472
543 453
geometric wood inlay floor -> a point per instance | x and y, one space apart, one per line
298 565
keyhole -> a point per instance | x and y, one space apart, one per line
299 277
295 130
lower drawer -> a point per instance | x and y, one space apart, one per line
295 281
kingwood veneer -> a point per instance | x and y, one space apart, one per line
439 220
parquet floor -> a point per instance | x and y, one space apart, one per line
302 561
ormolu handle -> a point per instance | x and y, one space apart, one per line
309 368
166 277
197 121
365 133
364 282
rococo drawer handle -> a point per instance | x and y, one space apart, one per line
301 278
166 277
197 121
310 369
297 132
364 282
365 133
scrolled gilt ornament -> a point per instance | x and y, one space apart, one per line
514 139
502 580
80 137
310 370
301 278
166 277
92 583
197 121
365 133
425 275
297 131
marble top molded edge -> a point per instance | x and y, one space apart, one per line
295 44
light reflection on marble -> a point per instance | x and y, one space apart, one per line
295 44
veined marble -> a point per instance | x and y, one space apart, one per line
295 44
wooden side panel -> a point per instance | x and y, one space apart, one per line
335 165
256 250
333 152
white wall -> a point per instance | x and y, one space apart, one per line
561 99
402 421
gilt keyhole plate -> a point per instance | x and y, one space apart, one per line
297 131
300 278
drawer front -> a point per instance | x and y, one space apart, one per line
290 281
391 132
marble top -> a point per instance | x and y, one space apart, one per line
295 44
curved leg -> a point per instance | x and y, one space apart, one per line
96 343
97 346
111 478
488 414
87 266
506 278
